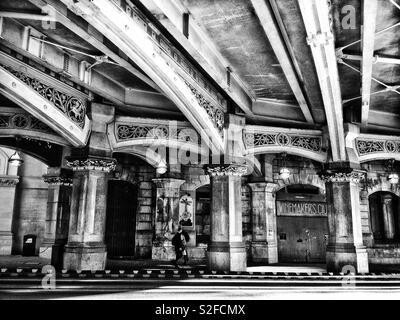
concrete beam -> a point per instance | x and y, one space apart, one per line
368 36
133 39
98 81
61 16
316 19
200 46
376 58
271 29
27 16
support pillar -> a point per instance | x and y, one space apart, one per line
264 247
86 249
388 217
8 184
57 215
227 251
345 247
166 217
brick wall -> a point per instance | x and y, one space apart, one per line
144 216
246 216
30 204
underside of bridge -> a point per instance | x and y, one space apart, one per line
268 130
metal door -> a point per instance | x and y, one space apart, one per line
302 239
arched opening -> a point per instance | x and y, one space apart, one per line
203 217
384 217
302 224
130 201
121 219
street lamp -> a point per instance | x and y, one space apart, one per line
393 177
16 159
161 169
284 172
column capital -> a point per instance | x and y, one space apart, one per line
58 177
343 172
386 198
8 181
237 170
91 163
171 183
262 186
354 176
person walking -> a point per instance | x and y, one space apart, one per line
179 241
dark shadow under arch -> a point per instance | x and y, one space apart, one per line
384 217
122 205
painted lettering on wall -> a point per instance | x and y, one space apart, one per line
293 208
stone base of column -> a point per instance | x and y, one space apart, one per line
163 252
272 253
5 243
46 248
224 256
57 255
84 257
362 260
259 252
340 256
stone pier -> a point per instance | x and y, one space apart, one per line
227 251
345 247
167 217
86 249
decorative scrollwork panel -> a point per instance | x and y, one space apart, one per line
366 147
215 114
74 108
23 121
258 140
127 132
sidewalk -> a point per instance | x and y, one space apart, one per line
13 262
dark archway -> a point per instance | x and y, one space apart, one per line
203 211
384 217
122 204
49 153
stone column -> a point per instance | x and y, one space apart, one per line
345 245
86 249
227 251
57 215
166 217
7 200
264 245
388 217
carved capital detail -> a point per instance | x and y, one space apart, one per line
227 170
57 180
8 181
96 164
168 183
353 176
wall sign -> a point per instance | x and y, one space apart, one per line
297 208
186 210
